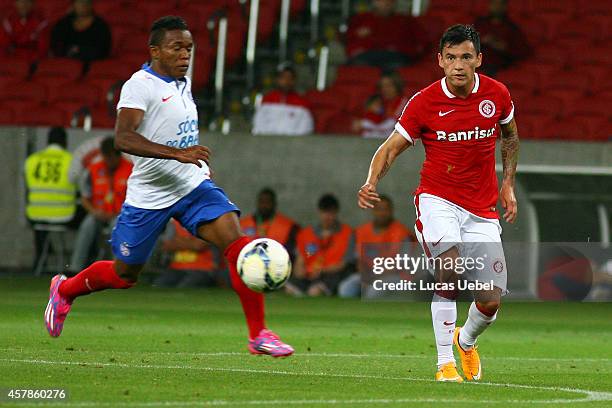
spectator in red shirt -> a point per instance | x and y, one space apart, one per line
502 41
383 109
24 33
283 111
81 34
384 38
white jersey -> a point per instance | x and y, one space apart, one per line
170 118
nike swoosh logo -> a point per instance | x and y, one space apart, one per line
448 323
436 243
165 99
445 113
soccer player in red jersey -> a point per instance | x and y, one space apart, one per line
458 119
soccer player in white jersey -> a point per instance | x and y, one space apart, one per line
157 123
458 119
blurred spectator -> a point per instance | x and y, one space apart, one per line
383 109
102 197
194 263
266 221
81 34
385 38
50 194
24 33
502 41
86 153
384 236
324 253
283 111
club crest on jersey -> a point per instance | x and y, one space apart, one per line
486 108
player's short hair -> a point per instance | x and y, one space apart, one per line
269 192
329 202
459 33
57 135
163 24
107 147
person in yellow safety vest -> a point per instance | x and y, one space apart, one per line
50 193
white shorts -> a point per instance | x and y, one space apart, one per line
441 225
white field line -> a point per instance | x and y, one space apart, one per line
587 395
332 355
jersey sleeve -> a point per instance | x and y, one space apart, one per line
507 106
134 94
409 124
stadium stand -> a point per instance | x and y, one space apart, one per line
566 79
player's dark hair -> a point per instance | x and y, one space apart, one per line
459 33
57 135
269 192
107 147
163 24
329 202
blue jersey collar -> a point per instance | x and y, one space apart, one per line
168 79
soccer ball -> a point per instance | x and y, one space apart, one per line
264 265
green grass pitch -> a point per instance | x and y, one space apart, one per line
149 347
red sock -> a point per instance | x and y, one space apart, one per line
98 276
252 302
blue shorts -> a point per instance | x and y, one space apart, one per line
137 229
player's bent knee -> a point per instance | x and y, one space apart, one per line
488 308
128 273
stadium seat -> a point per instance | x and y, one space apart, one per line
568 96
43 115
536 30
576 80
125 17
357 75
116 69
77 92
542 105
101 118
584 29
33 92
593 105
7 115
18 68
152 10
521 80
135 42
64 68
356 96
329 99
322 116
568 7
340 123
419 76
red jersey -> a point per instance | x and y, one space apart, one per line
24 37
459 138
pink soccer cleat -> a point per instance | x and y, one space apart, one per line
268 342
57 308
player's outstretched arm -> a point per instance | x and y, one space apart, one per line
129 141
380 165
509 151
